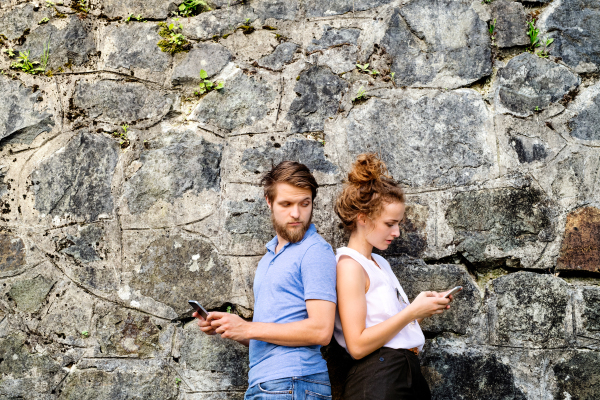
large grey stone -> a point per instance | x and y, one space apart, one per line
334 37
218 22
415 277
14 23
152 9
427 50
529 310
322 8
276 9
83 246
177 164
134 46
591 309
210 57
511 23
585 125
576 376
175 269
12 252
505 218
29 294
573 25
282 55
468 375
307 152
77 180
72 43
529 83
320 92
22 116
243 101
249 218
120 102
426 138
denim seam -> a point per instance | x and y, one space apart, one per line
276 391
311 381
319 395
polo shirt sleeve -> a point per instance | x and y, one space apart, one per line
318 270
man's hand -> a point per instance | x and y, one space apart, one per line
204 324
229 326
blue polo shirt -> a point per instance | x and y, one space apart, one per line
283 282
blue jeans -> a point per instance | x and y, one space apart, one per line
308 387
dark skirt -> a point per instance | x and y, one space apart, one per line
387 374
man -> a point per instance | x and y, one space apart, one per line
294 295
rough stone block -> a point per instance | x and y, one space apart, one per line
22 115
587 317
573 25
12 253
530 310
576 375
415 277
276 9
77 179
452 151
210 57
282 55
134 46
29 294
320 92
580 250
334 37
218 22
325 8
585 125
14 23
152 9
511 23
529 83
429 51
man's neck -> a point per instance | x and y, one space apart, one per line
280 243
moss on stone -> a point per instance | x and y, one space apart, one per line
166 45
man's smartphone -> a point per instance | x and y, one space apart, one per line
199 309
453 291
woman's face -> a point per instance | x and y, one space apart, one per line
386 227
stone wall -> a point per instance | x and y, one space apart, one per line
124 193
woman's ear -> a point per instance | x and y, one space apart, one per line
361 219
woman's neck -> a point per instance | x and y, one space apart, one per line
359 243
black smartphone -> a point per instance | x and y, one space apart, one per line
199 309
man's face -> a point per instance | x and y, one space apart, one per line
291 211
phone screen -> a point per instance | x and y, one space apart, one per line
198 308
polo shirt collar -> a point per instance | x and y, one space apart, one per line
272 245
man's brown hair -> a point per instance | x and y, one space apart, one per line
290 172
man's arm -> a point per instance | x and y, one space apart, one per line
317 329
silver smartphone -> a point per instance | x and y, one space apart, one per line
199 309
453 291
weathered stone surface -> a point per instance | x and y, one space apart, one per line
580 248
14 23
22 116
83 246
320 92
210 57
591 309
121 380
418 152
134 45
217 22
573 25
249 218
29 294
529 310
69 42
339 59
243 101
528 150
511 23
277 9
334 37
468 375
415 277
586 124
569 181
175 269
119 102
212 363
178 163
77 180
12 252
307 152
529 83
283 54
576 376
427 51
488 224
413 236
153 9
322 8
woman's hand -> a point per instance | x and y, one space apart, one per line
427 304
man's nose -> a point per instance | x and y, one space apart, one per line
295 213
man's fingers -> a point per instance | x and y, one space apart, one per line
220 329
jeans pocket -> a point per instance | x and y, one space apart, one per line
315 396
277 386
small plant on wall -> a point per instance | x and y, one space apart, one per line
206 85
189 8
174 41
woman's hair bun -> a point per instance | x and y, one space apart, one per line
368 168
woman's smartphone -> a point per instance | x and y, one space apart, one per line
453 291
199 309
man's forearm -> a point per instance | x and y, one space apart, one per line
293 334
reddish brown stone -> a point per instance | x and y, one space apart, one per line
12 252
581 245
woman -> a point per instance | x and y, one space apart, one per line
375 322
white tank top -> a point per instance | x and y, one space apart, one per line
382 302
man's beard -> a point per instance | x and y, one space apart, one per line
290 234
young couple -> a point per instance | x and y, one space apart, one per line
295 294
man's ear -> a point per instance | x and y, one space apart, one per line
268 202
